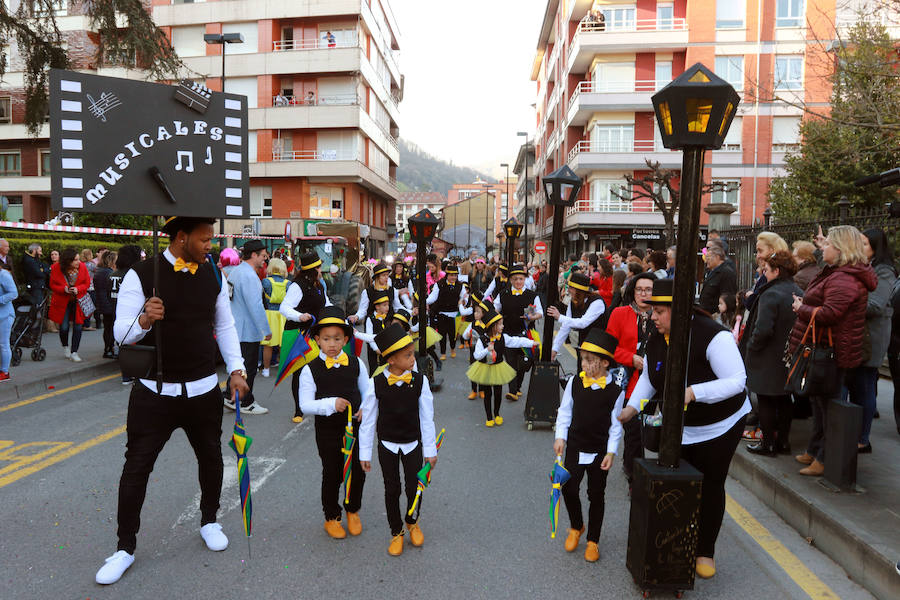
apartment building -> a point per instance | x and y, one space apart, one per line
323 86
502 194
410 203
595 77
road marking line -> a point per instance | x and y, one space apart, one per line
814 587
61 456
12 454
571 351
56 393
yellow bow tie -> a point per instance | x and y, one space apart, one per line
588 382
496 337
380 317
180 265
516 292
340 360
405 378
479 324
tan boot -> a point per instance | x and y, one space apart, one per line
335 529
804 459
354 525
592 552
573 538
396 547
815 469
473 395
416 537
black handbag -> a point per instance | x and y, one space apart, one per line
136 361
813 367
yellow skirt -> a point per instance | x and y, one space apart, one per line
432 337
276 325
497 374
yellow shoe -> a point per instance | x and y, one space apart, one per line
518 394
705 570
297 419
443 357
592 552
335 529
354 525
416 537
396 547
511 396
573 538
489 423
498 420
473 395
481 394
453 354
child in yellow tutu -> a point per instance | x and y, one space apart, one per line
274 289
491 371
475 311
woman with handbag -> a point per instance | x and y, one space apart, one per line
835 304
762 346
69 283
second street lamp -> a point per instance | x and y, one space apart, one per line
513 230
422 229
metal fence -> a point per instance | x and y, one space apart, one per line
742 240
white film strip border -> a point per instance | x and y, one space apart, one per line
234 174
71 126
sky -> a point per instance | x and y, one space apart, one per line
467 67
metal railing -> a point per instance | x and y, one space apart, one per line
628 25
329 100
617 87
315 44
323 155
588 146
785 147
612 205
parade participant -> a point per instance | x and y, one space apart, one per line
585 312
715 408
400 282
491 371
375 324
477 307
191 307
480 278
402 412
432 337
381 286
330 384
305 297
631 325
446 296
587 426
274 289
499 283
520 307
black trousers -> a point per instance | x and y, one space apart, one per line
330 441
775 414
446 327
295 390
712 458
151 421
894 364
250 354
518 361
492 409
596 491
390 469
633 447
109 341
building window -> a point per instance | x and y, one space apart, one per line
6 110
260 201
788 72
730 14
15 210
612 138
10 164
326 202
665 16
604 196
732 141
731 69
619 18
789 13
729 191
44 165
663 73
785 134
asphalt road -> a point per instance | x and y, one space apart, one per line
484 516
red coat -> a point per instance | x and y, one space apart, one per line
623 326
604 288
843 293
59 299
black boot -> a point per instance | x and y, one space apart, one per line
762 449
784 448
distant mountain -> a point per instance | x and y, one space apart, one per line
421 172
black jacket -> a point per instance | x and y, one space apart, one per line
721 280
102 289
37 272
766 334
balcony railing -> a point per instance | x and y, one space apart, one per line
586 146
283 155
617 87
785 147
613 205
627 25
331 100
314 44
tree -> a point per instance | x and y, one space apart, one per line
859 136
41 46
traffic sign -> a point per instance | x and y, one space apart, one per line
540 247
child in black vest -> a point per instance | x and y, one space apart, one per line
587 426
375 324
445 297
331 384
402 412
491 371
475 310
432 337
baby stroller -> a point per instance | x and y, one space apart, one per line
28 328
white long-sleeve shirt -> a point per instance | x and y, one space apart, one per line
426 424
433 296
400 301
564 421
726 362
567 322
127 329
292 298
510 341
325 406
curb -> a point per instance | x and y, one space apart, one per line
864 562
29 388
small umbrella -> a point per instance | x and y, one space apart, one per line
424 475
296 351
240 443
558 476
349 441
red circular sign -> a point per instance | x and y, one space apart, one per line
540 247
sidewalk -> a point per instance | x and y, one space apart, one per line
861 532
31 378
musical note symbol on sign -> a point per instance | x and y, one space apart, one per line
190 161
100 107
208 156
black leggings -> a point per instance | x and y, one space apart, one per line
109 341
775 414
446 327
497 392
295 389
596 491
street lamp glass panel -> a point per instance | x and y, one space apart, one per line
513 228
423 226
665 116
562 186
698 111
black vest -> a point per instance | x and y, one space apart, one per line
337 382
500 286
398 409
399 283
592 415
378 324
599 322
372 292
499 348
313 302
188 339
448 296
513 310
703 330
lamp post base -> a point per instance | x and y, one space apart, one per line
426 367
662 529
543 394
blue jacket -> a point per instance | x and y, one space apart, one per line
8 293
247 304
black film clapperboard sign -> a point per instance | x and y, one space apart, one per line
138 148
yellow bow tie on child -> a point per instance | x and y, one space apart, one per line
588 382
180 265
405 378
340 360
380 317
496 337
516 292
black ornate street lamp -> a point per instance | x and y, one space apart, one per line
422 228
513 229
694 113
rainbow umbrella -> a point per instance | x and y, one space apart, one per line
424 475
533 353
240 443
296 350
354 346
558 476
349 441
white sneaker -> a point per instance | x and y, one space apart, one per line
213 536
67 353
229 403
114 567
75 357
254 409
265 372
